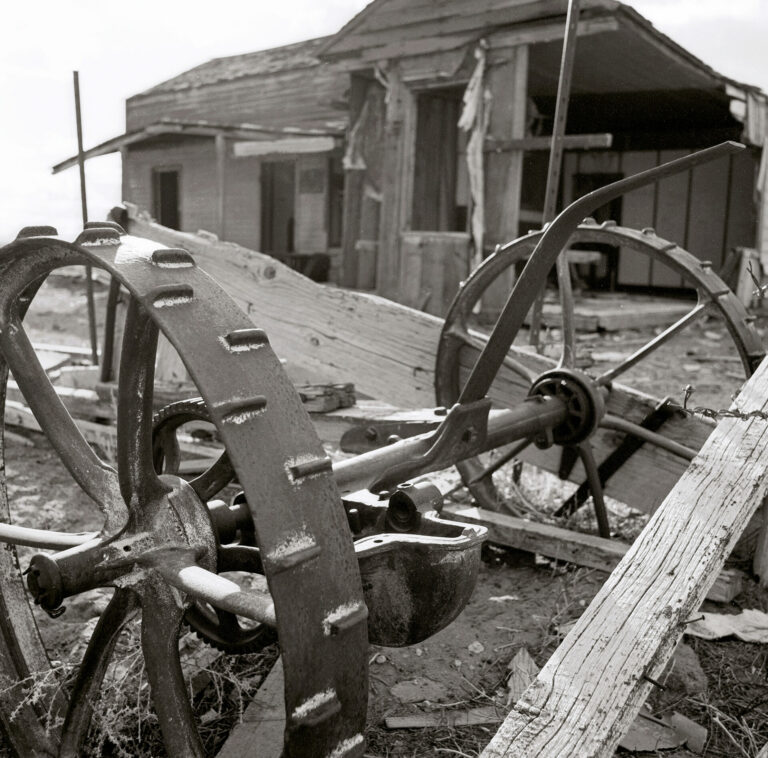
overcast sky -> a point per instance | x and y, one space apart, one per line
123 48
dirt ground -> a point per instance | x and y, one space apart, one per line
520 602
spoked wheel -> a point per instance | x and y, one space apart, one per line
581 390
159 544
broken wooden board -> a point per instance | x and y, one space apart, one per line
565 545
593 686
390 351
263 722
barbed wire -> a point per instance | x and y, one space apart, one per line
714 413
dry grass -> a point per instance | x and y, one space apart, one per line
124 723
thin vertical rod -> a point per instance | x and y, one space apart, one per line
84 206
553 184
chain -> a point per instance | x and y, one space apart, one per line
712 413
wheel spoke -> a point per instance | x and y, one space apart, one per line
92 670
139 482
160 626
96 478
617 424
567 311
596 487
166 453
655 343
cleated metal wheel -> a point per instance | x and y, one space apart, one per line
158 546
714 297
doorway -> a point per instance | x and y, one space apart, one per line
278 207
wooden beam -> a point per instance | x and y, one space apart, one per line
397 180
570 142
390 351
592 688
221 179
537 33
508 83
578 548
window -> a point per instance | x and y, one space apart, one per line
166 197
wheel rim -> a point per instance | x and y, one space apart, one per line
307 549
713 295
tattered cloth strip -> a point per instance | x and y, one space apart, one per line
474 117
353 157
749 626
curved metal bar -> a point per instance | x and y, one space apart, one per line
42 538
92 670
139 483
545 255
161 620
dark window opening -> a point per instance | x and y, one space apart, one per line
166 197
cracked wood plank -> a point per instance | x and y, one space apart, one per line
593 686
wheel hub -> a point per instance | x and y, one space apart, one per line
582 399
175 518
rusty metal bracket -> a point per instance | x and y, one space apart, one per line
462 434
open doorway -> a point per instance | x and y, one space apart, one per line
278 212
166 197
440 182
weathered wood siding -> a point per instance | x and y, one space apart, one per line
242 201
707 211
196 161
307 97
311 234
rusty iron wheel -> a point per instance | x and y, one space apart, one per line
158 544
713 296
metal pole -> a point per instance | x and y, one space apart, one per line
553 179
84 205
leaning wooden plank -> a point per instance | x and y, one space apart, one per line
263 722
390 351
592 688
587 550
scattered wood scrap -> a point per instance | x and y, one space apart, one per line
568 546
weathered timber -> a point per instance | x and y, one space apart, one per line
591 689
263 722
389 349
587 550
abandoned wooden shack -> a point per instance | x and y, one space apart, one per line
405 147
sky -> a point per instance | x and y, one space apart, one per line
120 49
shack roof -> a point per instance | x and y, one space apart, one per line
285 58
394 28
